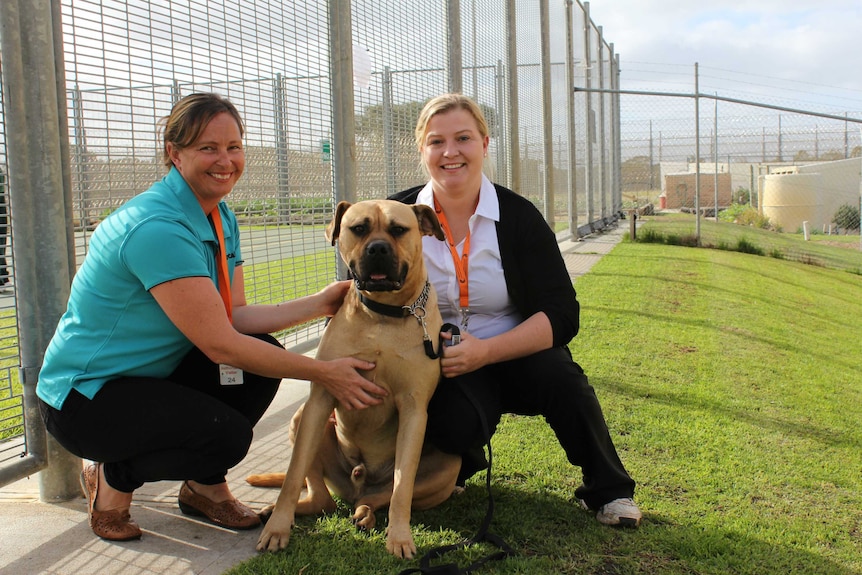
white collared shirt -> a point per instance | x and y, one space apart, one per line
491 310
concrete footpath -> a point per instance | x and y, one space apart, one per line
41 538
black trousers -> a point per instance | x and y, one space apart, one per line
547 383
187 426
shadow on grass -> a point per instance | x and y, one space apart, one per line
551 534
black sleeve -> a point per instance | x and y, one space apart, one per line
534 268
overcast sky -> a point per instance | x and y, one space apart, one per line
800 54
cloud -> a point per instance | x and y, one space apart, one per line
803 51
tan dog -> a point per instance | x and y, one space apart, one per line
373 457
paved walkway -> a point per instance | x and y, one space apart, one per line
41 538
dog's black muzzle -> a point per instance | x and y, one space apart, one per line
378 269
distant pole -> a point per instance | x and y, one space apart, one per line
651 184
780 154
697 155
715 158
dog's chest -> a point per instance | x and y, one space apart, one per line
366 335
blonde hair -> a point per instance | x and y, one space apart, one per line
443 103
189 117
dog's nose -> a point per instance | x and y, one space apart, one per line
378 249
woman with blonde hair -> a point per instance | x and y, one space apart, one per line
500 276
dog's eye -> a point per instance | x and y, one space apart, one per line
397 230
359 229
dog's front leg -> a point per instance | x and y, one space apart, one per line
408 450
276 532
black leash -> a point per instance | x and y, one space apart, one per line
417 310
482 535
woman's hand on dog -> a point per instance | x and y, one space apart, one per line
332 296
353 391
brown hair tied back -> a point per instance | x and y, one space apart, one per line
190 116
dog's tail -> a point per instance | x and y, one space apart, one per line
266 479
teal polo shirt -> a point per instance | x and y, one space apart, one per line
112 326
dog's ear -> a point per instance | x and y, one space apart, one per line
333 229
429 225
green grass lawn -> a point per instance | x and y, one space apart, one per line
732 385
820 249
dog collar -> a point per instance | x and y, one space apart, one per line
417 310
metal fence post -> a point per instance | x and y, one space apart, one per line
589 124
454 63
618 146
343 116
697 152
501 130
388 133
547 115
514 149
40 198
601 132
281 154
572 194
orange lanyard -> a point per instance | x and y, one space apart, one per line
223 275
460 262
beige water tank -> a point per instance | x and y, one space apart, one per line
790 199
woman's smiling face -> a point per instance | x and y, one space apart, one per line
453 151
214 162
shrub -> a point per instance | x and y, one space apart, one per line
847 217
650 236
746 247
744 216
732 213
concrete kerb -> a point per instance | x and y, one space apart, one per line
55 539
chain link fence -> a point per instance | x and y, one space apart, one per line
330 93
748 152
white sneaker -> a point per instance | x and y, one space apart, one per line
622 512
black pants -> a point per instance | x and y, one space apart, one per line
187 426
547 383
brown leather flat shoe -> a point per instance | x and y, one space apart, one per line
232 514
114 524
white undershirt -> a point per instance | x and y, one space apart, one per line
491 309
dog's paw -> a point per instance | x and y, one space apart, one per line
275 534
363 518
399 542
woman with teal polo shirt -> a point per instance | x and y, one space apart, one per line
159 369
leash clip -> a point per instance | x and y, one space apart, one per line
417 310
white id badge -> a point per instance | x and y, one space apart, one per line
229 375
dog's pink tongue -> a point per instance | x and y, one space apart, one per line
378 276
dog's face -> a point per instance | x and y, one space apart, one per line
380 241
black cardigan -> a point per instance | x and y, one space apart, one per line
533 267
